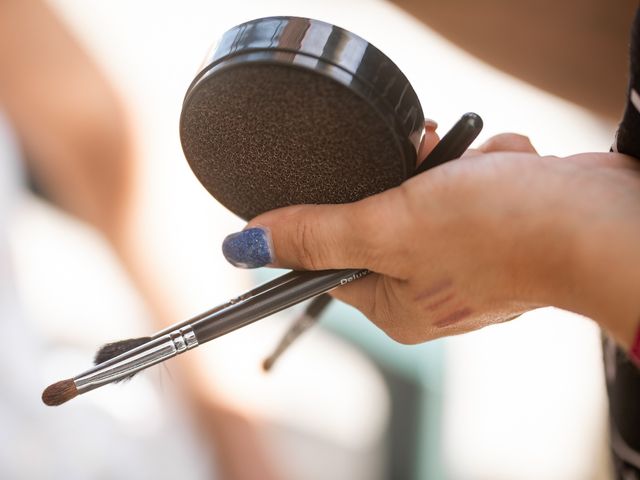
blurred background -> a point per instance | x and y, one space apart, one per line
524 400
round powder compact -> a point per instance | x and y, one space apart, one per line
291 110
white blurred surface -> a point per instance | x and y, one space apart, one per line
525 400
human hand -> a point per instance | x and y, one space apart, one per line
474 242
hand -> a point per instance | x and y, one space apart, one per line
474 242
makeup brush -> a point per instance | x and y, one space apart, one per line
113 349
283 292
203 328
451 146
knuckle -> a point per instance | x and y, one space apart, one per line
508 142
522 143
516 142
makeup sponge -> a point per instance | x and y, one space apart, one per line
263 135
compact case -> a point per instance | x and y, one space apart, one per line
291 110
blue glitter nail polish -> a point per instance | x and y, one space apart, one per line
250 248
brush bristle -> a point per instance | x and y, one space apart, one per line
59 393
267 364
113 349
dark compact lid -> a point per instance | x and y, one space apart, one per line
291 110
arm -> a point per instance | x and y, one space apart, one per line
72 125
575 49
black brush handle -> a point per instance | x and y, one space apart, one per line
300 286
265 287
454 143
306 285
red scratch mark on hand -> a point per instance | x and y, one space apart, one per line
438 303
452 318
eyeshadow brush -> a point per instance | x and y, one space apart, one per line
113 349
279 294
206 327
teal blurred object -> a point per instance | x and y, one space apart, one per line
419 365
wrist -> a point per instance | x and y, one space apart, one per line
605 281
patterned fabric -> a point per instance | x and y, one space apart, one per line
635 349
622 376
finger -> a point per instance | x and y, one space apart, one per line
472 152
429 140
318 237
508 142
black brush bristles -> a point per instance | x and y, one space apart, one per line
113 349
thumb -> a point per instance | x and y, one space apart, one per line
306 237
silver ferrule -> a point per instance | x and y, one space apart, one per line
154 351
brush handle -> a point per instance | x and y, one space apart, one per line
454 143
303 323
300 286
265 287
305 285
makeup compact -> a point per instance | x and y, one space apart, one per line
290 110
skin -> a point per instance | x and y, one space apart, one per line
481 240
575 49
71 124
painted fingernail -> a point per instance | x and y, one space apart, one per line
250 248
430 124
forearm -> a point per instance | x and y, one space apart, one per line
603 257
611 292
555 46
68 118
